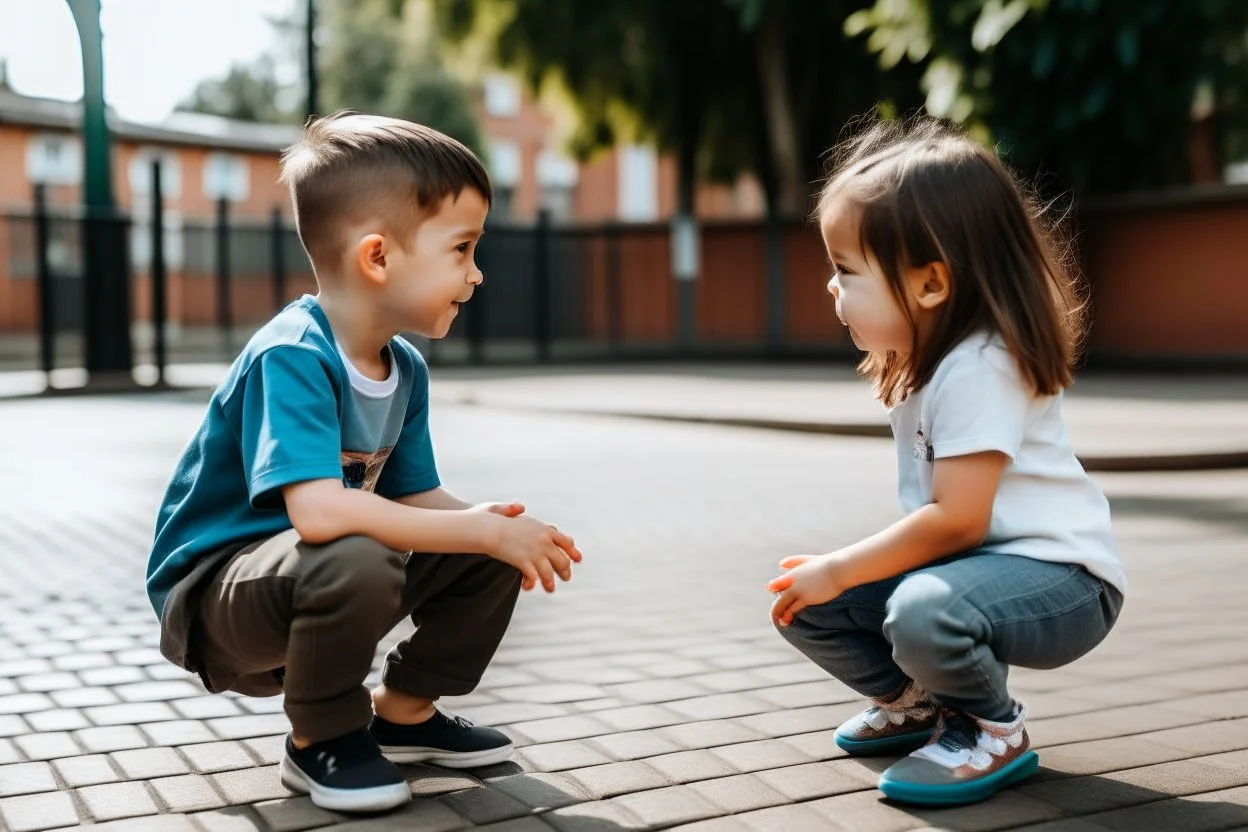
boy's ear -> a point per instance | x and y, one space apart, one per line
370 258
930 285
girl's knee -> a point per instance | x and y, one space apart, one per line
917 616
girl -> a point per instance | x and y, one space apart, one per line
948 281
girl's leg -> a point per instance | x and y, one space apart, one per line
956 627
846 638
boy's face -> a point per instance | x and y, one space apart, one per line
435 271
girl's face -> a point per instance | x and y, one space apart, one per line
865 301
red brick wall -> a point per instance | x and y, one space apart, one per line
1169 280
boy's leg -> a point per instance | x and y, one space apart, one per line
318 611
461 606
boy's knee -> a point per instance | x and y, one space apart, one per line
355 567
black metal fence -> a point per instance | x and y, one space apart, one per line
200 286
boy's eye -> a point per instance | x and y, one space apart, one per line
462 248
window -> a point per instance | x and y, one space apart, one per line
638 178
141 238
54 160
141 173
226 176
506 163
502 96
557 175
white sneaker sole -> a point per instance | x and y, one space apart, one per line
447 759
376 799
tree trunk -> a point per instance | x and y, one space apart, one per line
782 126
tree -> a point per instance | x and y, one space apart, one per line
384 57
726 85
247 93
381 56
1100 94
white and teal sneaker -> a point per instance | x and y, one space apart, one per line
895 726
967 760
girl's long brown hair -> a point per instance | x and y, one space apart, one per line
927 193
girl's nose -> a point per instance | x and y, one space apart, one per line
834 287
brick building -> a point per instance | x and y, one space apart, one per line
1167 274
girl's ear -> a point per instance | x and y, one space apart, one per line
930 285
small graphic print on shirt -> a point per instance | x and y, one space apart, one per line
361 470
922 448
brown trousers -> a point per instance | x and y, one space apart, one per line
282 614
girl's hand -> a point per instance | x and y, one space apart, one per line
810 580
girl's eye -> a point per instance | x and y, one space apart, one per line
840 270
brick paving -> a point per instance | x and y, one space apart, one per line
650 693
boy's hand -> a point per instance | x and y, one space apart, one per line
506 509
538 550
810 580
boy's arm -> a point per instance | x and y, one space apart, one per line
434 498
442 500
324 510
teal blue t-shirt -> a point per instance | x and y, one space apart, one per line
290 410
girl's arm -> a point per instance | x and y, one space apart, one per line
957 518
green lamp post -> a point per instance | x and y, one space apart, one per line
107 347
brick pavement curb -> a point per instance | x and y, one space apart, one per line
1126 463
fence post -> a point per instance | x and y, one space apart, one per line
774 278
278 252
684 236
224 322
157 272
541 285
614 289
43 274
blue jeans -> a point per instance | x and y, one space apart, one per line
954 627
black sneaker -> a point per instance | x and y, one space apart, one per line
347 773
443 740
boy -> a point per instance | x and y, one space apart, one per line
302 521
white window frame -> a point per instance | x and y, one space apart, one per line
62 167
638 178
170 173
141 238
227 176
501 95
506 162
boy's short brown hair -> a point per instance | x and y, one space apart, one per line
349 167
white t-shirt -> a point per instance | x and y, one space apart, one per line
1047 507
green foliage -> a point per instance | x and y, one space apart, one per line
383 57
1098 93
688 76
380 56
246 93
